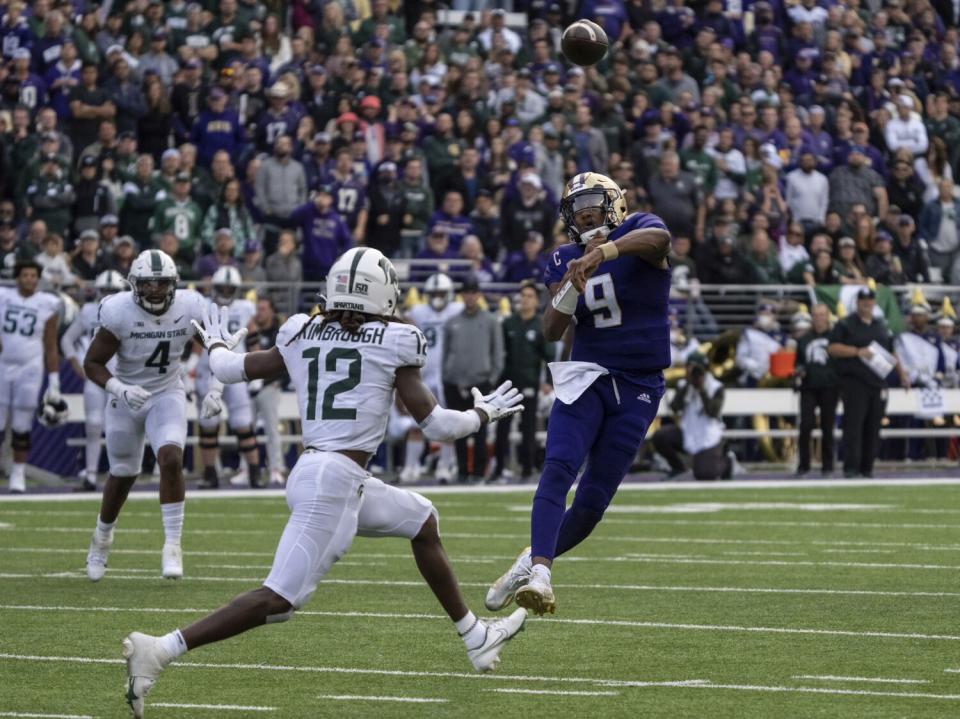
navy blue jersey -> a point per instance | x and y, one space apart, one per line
349 198
271 125
622 321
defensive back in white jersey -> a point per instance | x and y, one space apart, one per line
431 324
151 345
345 382
22 321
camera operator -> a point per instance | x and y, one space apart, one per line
696 405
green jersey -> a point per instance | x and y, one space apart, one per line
181 218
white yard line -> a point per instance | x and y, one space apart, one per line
357 671
874 680
217 707
361 698
721 488
117 574
823 690
687 684
553 692
810 631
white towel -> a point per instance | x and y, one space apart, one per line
571 379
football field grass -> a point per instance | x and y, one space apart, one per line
800 600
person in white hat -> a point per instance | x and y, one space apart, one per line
906 130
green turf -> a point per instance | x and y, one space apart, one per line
658 624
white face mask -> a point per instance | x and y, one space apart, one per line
601 231
438 303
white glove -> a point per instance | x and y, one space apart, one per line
254 387
213 331
212 405
131 395
504 401
52 395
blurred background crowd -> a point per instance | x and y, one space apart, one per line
810 143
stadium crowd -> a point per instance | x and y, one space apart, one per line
765 135
810 143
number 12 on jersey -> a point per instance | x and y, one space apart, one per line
334 356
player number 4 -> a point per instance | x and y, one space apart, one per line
160 357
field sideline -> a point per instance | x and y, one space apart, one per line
740 599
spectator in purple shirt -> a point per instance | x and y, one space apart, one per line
451 221
222 255
324 234
434 257
527 263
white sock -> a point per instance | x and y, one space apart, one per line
542 571
448 456
472 631
92 449
172 521
105 529
174 644
414 450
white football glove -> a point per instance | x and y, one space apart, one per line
504 401
52 395
131 395
214 328
254 386
212 405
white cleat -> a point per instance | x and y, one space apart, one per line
409 475
736 469
537 595
97 557
486 657
240 479
146 658
18 483
172 561
277 479
501 592
444 473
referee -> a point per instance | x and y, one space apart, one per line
860 388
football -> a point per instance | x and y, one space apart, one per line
584 43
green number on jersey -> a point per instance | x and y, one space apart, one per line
339 387
160 357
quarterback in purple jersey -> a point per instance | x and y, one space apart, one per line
613 283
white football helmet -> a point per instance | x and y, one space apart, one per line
439 290
153 278
226 281
363 280
109 282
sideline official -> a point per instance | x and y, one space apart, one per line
861 389
819 389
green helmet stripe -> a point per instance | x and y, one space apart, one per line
156 261
353 269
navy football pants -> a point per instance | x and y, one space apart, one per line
603 427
